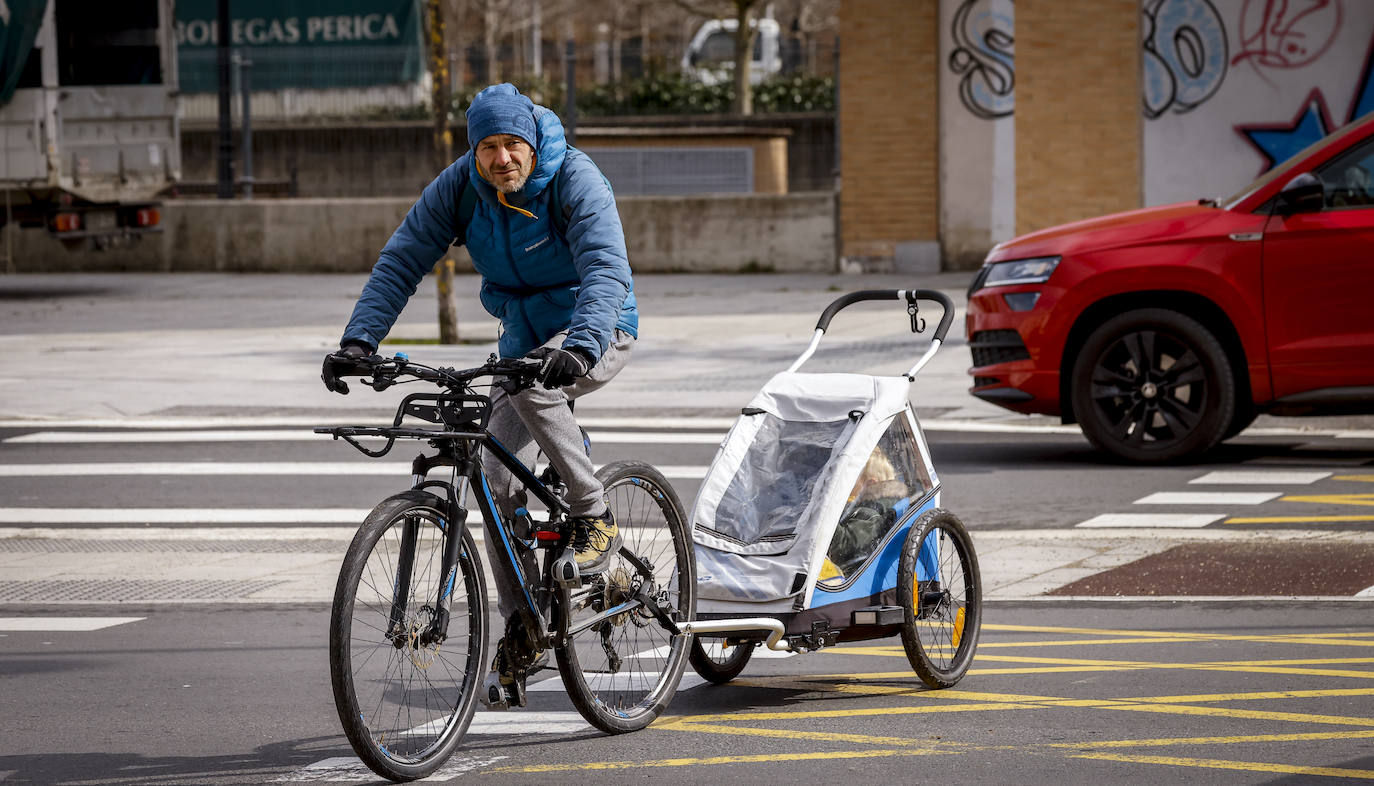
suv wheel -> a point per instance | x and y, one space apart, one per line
1152 386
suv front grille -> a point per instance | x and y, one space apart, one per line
997 346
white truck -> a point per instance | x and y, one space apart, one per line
710 55
89 127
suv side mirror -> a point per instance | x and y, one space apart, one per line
1303 194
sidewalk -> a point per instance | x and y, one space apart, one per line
130 347
158 350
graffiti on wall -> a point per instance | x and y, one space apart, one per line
1286 33
983 57
1277 142
1185 54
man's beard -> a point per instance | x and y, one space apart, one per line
512 186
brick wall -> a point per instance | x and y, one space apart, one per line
889 62
1078 110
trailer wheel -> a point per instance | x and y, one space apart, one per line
717 662
941 594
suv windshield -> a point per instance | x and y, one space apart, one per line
1284 168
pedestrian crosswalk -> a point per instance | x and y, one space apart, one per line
62 624
1211 501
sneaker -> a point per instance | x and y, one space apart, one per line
595 539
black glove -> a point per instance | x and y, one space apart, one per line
344 360
561 366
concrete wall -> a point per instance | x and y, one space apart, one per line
792 232
977 130
1231 85
393 158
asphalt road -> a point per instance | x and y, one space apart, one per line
207 661
1256 692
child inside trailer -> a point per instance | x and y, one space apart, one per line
880 498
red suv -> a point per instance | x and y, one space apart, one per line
1165 330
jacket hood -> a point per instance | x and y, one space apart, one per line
551 148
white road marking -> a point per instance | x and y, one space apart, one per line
182 515
1150 520
63 624
351 770
306 435
1209 498
267 469
1261 478
522 722
325 418
1367 592
555 684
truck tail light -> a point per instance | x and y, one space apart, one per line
67 222
147 217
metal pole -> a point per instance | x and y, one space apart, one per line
9 234
246 85
570 111
226 132
537 39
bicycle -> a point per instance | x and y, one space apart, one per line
408 626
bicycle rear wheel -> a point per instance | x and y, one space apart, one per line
622 671
941 594
405 703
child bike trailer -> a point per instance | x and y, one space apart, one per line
819 521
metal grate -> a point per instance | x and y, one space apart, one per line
997 346
675 171
123 590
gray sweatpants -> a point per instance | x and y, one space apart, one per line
536 420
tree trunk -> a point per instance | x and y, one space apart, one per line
443 152
744 50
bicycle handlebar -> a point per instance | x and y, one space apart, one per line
910 295
385 372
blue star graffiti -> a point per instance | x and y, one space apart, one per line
1279 142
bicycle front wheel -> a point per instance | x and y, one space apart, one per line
621 670
404 699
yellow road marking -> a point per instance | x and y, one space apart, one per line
1163 742
1220 764
1359 478
1256 696
1227 712
743 717
765 758
1295 519
1332 499
743 731
1259 667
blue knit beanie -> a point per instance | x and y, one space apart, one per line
500 109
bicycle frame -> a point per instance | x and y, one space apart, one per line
459 449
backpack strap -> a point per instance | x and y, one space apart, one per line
467 205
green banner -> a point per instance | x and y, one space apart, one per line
306 44
19 23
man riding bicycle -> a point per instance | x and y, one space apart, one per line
540 222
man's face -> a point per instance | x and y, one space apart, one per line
507 161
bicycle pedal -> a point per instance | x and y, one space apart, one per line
565 570
493 695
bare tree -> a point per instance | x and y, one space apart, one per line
742 11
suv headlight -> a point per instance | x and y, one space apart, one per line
1020 271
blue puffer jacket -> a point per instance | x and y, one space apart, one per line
534 279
